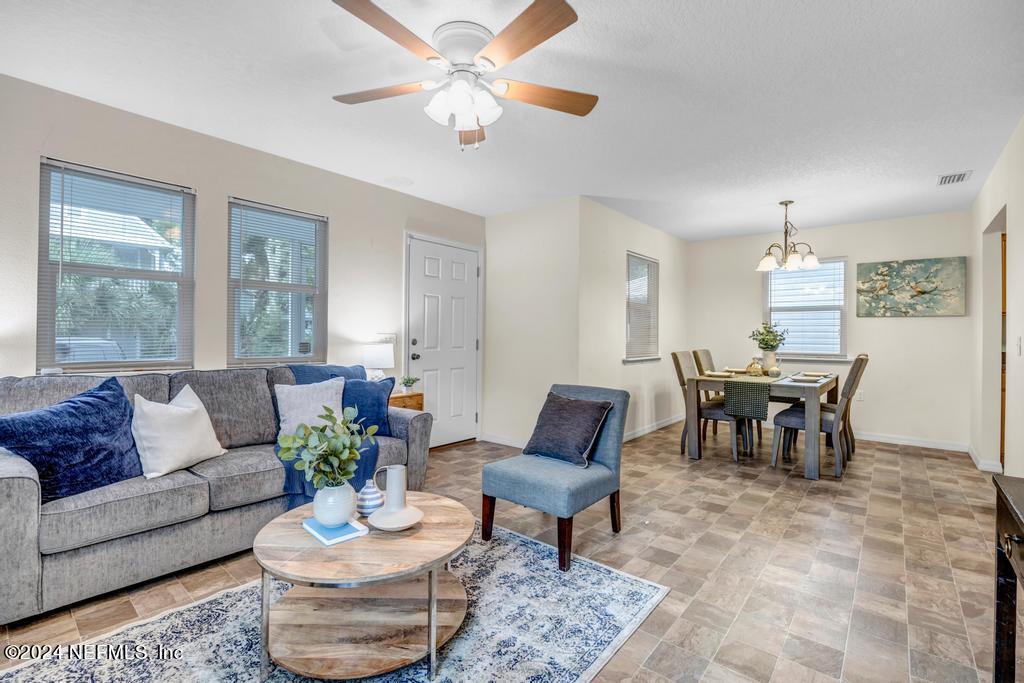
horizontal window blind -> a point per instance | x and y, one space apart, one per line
811 306
115 271
641 307
277 278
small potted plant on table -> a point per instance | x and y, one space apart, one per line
328 454
769 338
408 383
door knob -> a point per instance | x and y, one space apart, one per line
415 356
1010 540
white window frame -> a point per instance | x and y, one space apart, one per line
843 318
319 292
50 270
657 312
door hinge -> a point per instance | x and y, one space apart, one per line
477 344
476 417
478 271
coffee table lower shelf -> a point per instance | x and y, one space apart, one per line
333 633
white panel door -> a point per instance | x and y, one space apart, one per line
442 336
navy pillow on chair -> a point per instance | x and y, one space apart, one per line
567 429
79 444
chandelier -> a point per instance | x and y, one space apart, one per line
789 256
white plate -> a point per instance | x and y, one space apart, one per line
805 379
738 371
817 374
385 520
714 373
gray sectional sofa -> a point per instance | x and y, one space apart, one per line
138 529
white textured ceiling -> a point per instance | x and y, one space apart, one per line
710 112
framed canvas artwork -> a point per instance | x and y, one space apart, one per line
914 288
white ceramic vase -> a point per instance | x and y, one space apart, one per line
334 505
769 361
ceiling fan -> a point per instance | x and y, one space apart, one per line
467 52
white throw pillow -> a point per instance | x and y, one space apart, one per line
173 436
304 403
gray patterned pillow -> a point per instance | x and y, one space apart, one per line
567 429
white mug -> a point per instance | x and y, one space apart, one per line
394 496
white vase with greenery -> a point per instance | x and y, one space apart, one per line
769 338
328 454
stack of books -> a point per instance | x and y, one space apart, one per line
337 534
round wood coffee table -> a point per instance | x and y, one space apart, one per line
365 606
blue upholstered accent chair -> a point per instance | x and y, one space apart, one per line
560 488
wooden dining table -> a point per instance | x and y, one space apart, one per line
784 387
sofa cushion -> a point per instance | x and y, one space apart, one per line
127 507
238 402
20 394
242 476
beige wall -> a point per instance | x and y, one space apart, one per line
556 278
531 329
917 386
367 222
605 237
999 206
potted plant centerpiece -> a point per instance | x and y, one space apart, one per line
769 338
328 454
408 383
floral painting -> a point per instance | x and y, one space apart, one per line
915 288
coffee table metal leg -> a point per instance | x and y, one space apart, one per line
432 621
265 626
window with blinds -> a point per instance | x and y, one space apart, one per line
641 307
277 279
115 271
811 306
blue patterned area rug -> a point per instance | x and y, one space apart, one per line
526 621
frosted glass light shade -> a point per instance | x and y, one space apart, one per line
794 261
466 121
438 109
487 110
811 261
460 98
768 263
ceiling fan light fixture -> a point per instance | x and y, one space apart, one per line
438 109
460 98
486 109
485 64
467 121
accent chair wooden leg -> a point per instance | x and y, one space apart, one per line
487 514
613 502
564 542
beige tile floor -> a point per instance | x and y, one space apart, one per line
885 575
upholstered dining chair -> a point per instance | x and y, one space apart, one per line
834 421
686 371
706 363
560 488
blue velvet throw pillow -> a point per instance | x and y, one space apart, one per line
311 374
371 400
567 429
77 445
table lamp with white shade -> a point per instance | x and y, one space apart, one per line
377 357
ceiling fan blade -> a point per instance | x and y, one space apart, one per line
386 24
472 137
569 101
538 22
379 93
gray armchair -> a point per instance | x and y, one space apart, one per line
559 488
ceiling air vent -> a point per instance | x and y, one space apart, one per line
952 178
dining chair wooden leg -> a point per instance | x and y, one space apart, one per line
564 542
848 430
787 437
759 434
714 427
682 439
749 424
734 427
613 503
776 445
487 517
838 449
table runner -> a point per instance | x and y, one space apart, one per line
747 397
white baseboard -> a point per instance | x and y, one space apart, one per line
502 440
984 465
912 441
629 436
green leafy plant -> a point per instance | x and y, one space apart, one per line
328 453
769 337
408 381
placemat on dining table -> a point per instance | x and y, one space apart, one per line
747 397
